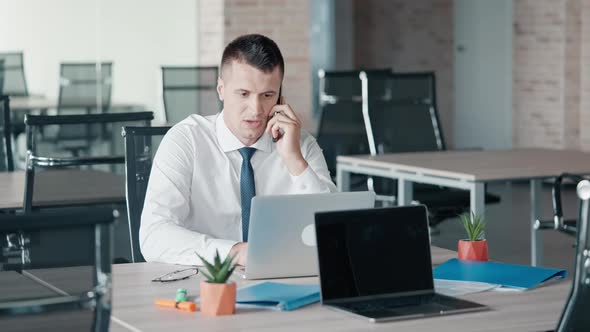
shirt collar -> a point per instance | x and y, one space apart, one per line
229 142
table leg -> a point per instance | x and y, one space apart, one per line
477 198
342 179
405 191
536 236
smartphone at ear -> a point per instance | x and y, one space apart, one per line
279 103
280 95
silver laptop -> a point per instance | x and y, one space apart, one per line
376 264
281 237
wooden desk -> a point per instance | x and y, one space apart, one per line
133 297
469 170
133 309
44 103
63 188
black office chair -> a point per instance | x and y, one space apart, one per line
14 83
341 128
35 161
6 156
140 147
1 77
84 88
566 226
575 313
33 254
402 117
189 90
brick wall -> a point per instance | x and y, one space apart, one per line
584 123
409 36
210 27
551 69
572 83
538 73
287 23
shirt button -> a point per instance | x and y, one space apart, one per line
303 186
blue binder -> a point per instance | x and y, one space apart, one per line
279 296
508 275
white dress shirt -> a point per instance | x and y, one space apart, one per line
192 202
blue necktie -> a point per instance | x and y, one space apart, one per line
247 188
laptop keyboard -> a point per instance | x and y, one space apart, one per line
392 303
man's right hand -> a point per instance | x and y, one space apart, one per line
240 251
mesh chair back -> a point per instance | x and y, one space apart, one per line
36 160
341 128
141 144
14 82
83 88
85 85
1 77
341 132
189 90
401 113
6 156
59 281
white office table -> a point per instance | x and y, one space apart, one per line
469 170
70 187
43 103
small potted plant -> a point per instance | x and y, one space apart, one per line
218 296
475 247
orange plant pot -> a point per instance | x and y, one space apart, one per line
473 250
218 299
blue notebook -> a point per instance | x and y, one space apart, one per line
508 275
279 296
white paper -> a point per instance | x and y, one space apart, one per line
458 288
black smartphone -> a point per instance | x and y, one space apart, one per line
278 103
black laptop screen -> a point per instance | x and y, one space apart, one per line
373 252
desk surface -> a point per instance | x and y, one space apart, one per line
133 297
493 165
63 187
44 103
15 286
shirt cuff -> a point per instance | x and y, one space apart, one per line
221 245
307 182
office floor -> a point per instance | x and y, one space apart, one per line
508 230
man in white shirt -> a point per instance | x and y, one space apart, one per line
207 169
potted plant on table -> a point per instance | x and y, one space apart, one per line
218 296
475 247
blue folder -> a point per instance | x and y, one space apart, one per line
508 275
279 296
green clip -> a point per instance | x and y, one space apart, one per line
181 295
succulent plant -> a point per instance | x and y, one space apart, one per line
474 225
219 271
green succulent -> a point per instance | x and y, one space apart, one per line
474 225
219 271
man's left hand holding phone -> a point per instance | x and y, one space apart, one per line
285 128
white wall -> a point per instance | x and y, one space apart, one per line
138 36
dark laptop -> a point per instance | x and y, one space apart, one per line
376 264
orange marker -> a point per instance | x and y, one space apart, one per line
184 306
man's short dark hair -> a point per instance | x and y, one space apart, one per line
256 50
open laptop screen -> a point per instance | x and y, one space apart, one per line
373 252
